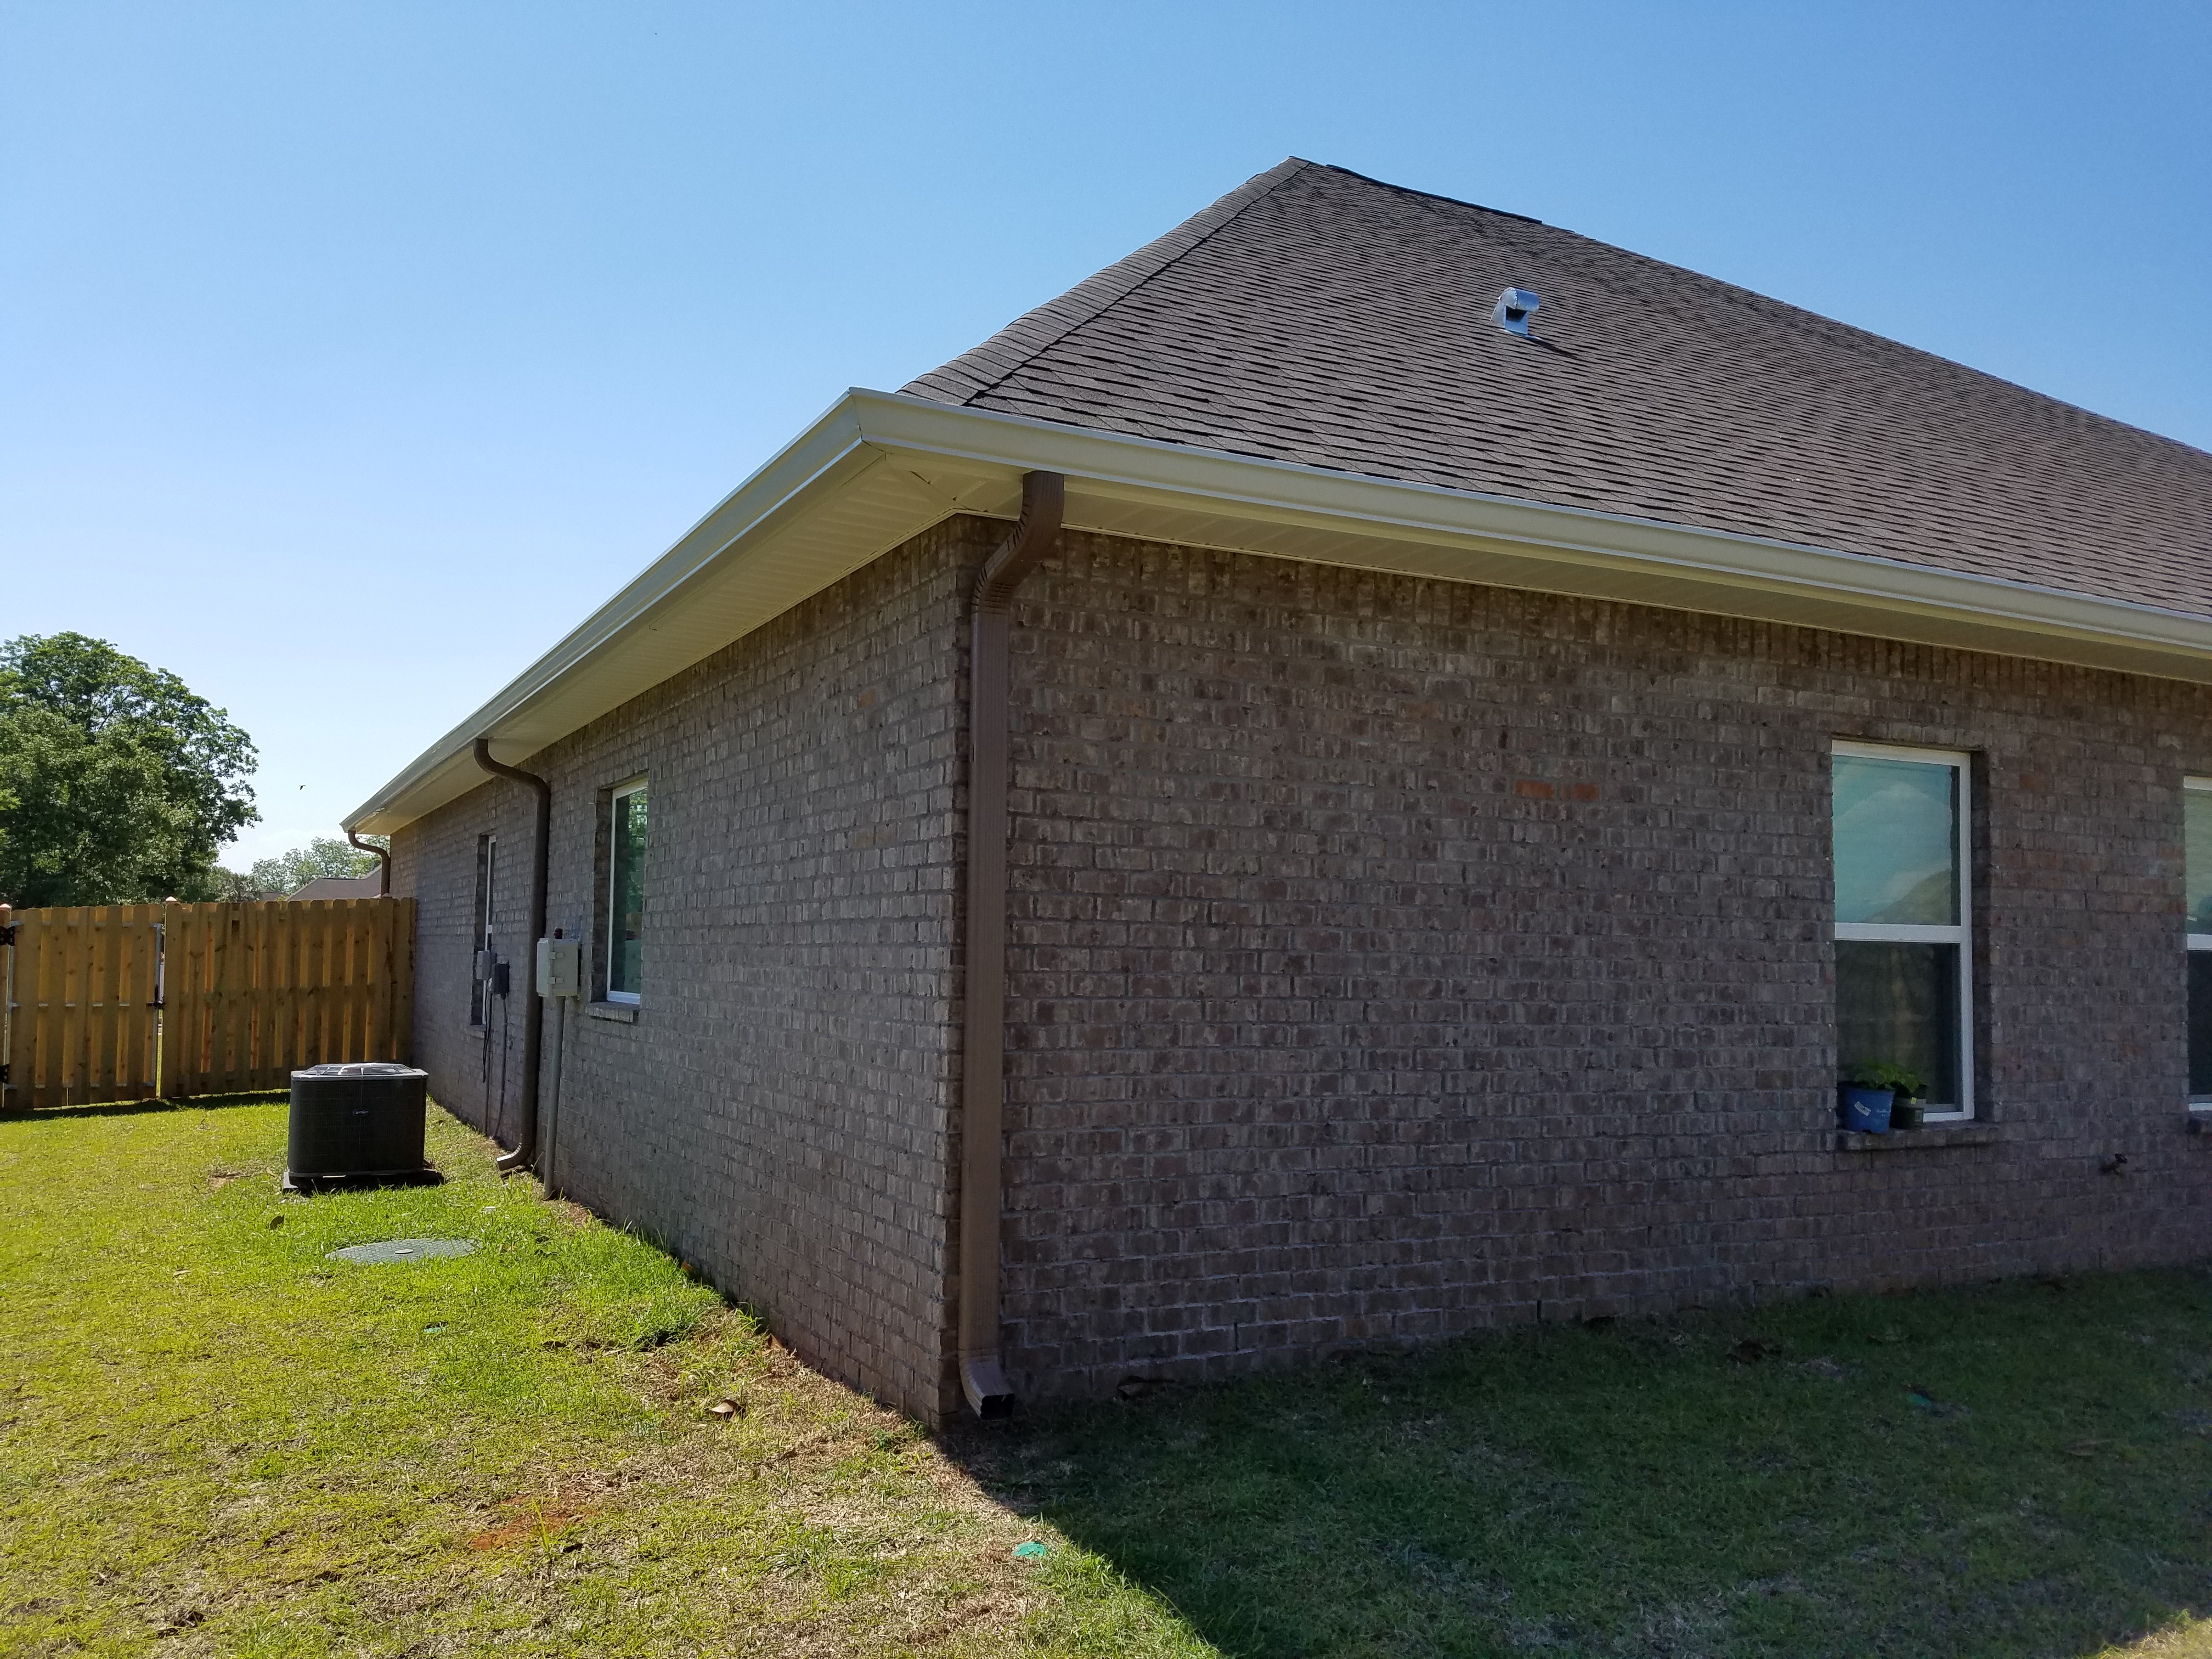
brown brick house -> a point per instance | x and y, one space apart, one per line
1401 837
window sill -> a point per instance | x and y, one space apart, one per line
2200 1117
625 1013
1904 1140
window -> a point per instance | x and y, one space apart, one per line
625 944
480 931
2196 846
1904 974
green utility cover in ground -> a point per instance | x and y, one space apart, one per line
403 1250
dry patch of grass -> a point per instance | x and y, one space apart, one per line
2185 1638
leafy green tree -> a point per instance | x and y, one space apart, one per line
117 784
231 887
325 855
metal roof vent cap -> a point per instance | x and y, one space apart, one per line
1513 310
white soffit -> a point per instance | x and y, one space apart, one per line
878 468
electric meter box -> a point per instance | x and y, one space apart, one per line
559 968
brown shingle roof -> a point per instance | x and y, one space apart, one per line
1319 317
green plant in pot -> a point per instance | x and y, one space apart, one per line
1908 1109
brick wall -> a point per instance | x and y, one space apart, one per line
778 1113
1392 957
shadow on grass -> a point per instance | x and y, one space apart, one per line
2014 1469
135 1108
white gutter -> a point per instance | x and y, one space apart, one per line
1241 485
878 468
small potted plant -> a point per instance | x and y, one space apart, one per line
1875 1098
1908 1110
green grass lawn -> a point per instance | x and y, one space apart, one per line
214 1440
2016 1469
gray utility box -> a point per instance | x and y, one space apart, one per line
365 1119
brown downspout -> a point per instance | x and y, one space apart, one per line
524 1155
383 863
984 1035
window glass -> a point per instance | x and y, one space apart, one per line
2196 827
1896 841
626 898
2196 877
1898 1004
2200 1024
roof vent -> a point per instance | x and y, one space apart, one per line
1514 308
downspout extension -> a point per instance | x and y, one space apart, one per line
383 862
984 1035
524 1155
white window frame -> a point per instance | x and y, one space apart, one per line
615 796
1961 933
2196 941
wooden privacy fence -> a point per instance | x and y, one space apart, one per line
125 1001
82 986
251 991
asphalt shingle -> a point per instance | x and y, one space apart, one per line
1317 316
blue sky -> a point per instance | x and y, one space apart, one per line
350 353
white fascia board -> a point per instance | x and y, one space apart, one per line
1108 466
879 468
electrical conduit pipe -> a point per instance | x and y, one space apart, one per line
983 1034
524 1155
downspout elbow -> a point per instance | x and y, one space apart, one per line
383 862
524 1155
982 1087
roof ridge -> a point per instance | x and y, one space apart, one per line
975 372
1434 196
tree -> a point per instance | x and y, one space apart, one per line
117 784
325 855
232 887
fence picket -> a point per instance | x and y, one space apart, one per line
255 1042
72 962
31 1031
241 963
99 996
375 953
303 973
28 1029
324 969
196 1035
180 1001
141 943
102 987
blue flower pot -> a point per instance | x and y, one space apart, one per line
1867 1110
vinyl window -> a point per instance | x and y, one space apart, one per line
1904 907
625 923
2197 844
